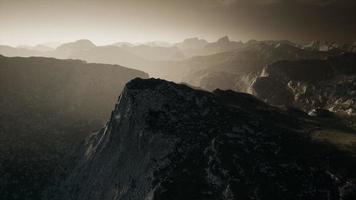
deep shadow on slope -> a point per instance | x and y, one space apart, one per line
47 107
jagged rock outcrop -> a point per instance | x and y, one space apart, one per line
308 84
349 47
318 45
168 141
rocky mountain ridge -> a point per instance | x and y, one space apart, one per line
237 69
168 141
309 84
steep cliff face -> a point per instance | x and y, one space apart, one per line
308 84
168 141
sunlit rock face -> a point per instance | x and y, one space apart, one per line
168 141
307 84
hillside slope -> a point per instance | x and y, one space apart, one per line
47 107
168 141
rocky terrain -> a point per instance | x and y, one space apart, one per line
309 84
237 69
330 46
168 141
48 107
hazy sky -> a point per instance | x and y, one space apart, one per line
107 21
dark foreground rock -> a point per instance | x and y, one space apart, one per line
168 141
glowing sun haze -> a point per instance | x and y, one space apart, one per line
106 21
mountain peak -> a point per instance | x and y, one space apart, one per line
224 39
169 141
83 44
84 41
192 43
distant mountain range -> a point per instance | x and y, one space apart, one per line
244 70
223 64
40 48
19 51
158 51
237 69
199 47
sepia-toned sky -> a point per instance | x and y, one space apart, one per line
106 21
